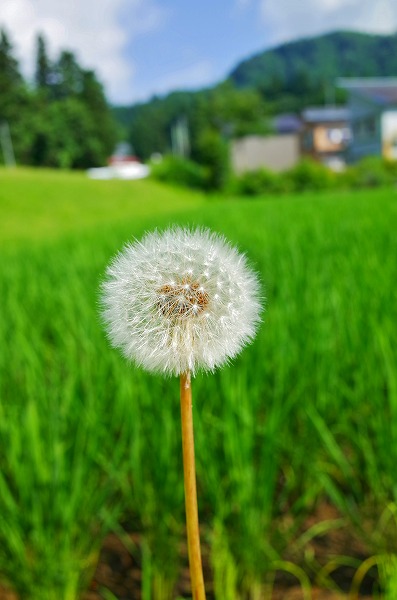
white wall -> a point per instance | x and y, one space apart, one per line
389 134
274 152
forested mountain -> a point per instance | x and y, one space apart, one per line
319 60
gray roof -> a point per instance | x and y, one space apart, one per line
325 114
287 123
380 90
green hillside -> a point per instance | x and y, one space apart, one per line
318 59
44 204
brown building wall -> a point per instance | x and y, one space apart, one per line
317 139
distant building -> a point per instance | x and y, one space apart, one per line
122 156
121 165
373 115
325 134
274 152
322 133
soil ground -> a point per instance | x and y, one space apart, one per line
118 572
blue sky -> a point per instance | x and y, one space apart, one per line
142 47
194 46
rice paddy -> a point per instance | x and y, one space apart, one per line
306 415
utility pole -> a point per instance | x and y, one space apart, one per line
180 138
6 145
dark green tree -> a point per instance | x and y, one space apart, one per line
212 152
43 69
150 130
68 76
93 97
16 102
64 121
10 78
104 126
74 127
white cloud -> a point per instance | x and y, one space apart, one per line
287 20
96 30
196 75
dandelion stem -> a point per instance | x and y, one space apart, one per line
189 470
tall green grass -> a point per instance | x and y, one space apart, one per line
89 443
37 205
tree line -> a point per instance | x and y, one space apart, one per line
195 125
61 119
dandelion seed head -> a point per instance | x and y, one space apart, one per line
180 300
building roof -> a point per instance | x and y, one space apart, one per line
380 90
287 123
325 114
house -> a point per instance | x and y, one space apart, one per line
325 134
373 113
121 165
322 133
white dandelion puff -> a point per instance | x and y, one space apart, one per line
176 302
180 300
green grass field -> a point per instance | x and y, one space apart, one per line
307 412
